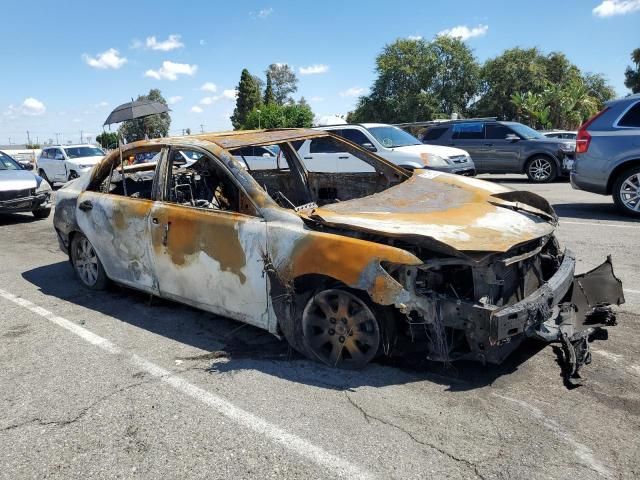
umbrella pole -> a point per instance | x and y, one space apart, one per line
124 183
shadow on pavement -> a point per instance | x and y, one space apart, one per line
232 346
14 218
592 211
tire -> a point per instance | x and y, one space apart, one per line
339 328
626 192
41 213
541 169
86 264
72 175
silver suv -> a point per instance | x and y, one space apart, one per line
608 154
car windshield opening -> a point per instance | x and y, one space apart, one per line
392 137
7 163
525 132
79 152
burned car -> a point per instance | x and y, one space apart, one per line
345 266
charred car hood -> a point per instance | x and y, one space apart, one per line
466 214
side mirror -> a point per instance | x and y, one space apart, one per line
267 155
27 166
512 137
369 146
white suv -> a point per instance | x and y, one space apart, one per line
61 163
392 144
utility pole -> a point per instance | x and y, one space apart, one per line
28 138
201 128
57 141
81 132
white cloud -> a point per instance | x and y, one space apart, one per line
175 99
171 70
610 8
464 33
230 94
414 37
105 60
313 69
209 100
203 42
353 92
262 14
196 109
209 87
171 43
31 106
101 104
316 99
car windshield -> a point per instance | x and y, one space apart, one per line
525 132
8 163
392 137
79 152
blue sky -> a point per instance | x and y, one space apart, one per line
66 64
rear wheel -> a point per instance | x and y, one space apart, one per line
626 191
541 170
340 329
86 263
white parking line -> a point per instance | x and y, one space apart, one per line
633 292
290 441
596 224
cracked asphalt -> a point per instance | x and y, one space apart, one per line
187 394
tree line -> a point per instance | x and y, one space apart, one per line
419 80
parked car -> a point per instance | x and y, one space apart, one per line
392 144
563 134
345 266
61 163
505 147
21 190
608 154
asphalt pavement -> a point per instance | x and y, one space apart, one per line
117 384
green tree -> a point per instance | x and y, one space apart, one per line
598 88
415 79
515 71
107 139
283 80
632 75
248 98
153 126
269 98
280 116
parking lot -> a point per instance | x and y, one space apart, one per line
121 385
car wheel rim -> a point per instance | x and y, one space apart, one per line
340 329
630 192
540 169
86 262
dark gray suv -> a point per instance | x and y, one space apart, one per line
608 154
505 147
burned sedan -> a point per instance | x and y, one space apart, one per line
345 266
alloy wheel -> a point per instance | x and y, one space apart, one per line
340 329
540 169
630 192
85 261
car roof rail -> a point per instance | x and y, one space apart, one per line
427 123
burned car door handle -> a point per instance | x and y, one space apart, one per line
86 206
165 237
343 157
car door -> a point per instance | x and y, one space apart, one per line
57 165
321 155
469 136
500 155
256 158
117 225
207 249
346 161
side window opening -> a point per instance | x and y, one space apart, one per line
631 118
132 179
497 131
433 133
196 180
468 131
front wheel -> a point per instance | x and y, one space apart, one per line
542 170
340 329
86 263
42 213
626 192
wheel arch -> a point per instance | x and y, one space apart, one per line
621 167
548 155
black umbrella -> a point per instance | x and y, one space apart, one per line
137 109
